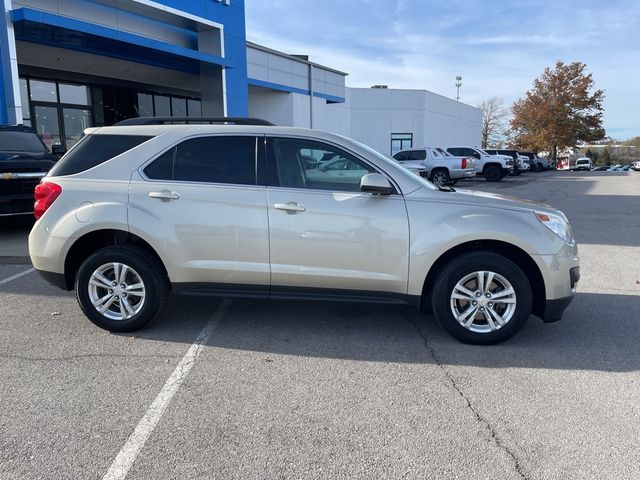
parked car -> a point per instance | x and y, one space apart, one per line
601 168
492 167
635 166
583 163
24 160
537 164
520 162
143 208
437 165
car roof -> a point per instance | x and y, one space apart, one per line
155 130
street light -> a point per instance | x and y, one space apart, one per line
458 85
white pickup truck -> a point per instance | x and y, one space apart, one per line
436 165
492 167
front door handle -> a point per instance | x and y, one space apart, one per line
290 207
165 195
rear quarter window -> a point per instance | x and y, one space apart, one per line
94 150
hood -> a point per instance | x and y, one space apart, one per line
28 156
484 199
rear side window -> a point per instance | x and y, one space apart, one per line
93 150
208 159
410 155
418 155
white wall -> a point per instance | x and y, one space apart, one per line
271 105
372 115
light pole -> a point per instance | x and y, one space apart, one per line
458 85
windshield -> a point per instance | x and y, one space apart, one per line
483 152
12 141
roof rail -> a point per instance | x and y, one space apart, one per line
194 120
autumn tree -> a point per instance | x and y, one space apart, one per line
561 110
494 119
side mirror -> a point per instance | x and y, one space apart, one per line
58 150
375 183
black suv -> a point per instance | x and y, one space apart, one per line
24 160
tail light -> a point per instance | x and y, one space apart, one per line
45 194
464 163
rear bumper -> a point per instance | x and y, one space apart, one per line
55 279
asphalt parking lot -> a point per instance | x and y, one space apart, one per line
251 389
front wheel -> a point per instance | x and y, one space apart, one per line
492 173
121 289
481 298
440 177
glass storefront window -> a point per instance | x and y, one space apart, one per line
178 107
163 106
47 125
145 105
75 121
42 91
75 94
195 108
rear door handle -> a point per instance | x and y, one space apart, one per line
165 195
290 207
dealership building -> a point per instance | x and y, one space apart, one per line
71 64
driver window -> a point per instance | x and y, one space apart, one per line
301 163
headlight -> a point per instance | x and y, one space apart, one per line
558 225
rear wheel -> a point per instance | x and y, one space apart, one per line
121 288
492 173
481 298
440 177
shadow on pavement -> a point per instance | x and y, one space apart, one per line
599 332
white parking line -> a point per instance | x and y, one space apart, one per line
16 276
131 449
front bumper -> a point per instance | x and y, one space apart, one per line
561 273
554 309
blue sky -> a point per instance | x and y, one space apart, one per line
498 47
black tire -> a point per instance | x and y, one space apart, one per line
540 167
440 177
492 173
464 265
147 269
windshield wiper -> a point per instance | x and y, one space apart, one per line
446 189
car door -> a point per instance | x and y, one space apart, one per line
200 206
328 238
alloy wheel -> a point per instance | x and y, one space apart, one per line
116 291
483 301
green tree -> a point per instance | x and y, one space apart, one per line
560 111
606 155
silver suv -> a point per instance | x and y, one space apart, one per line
135 211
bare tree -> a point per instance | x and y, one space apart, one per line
494 119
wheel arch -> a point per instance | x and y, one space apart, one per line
95 240
507 250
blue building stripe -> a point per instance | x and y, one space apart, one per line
286 88
36 16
